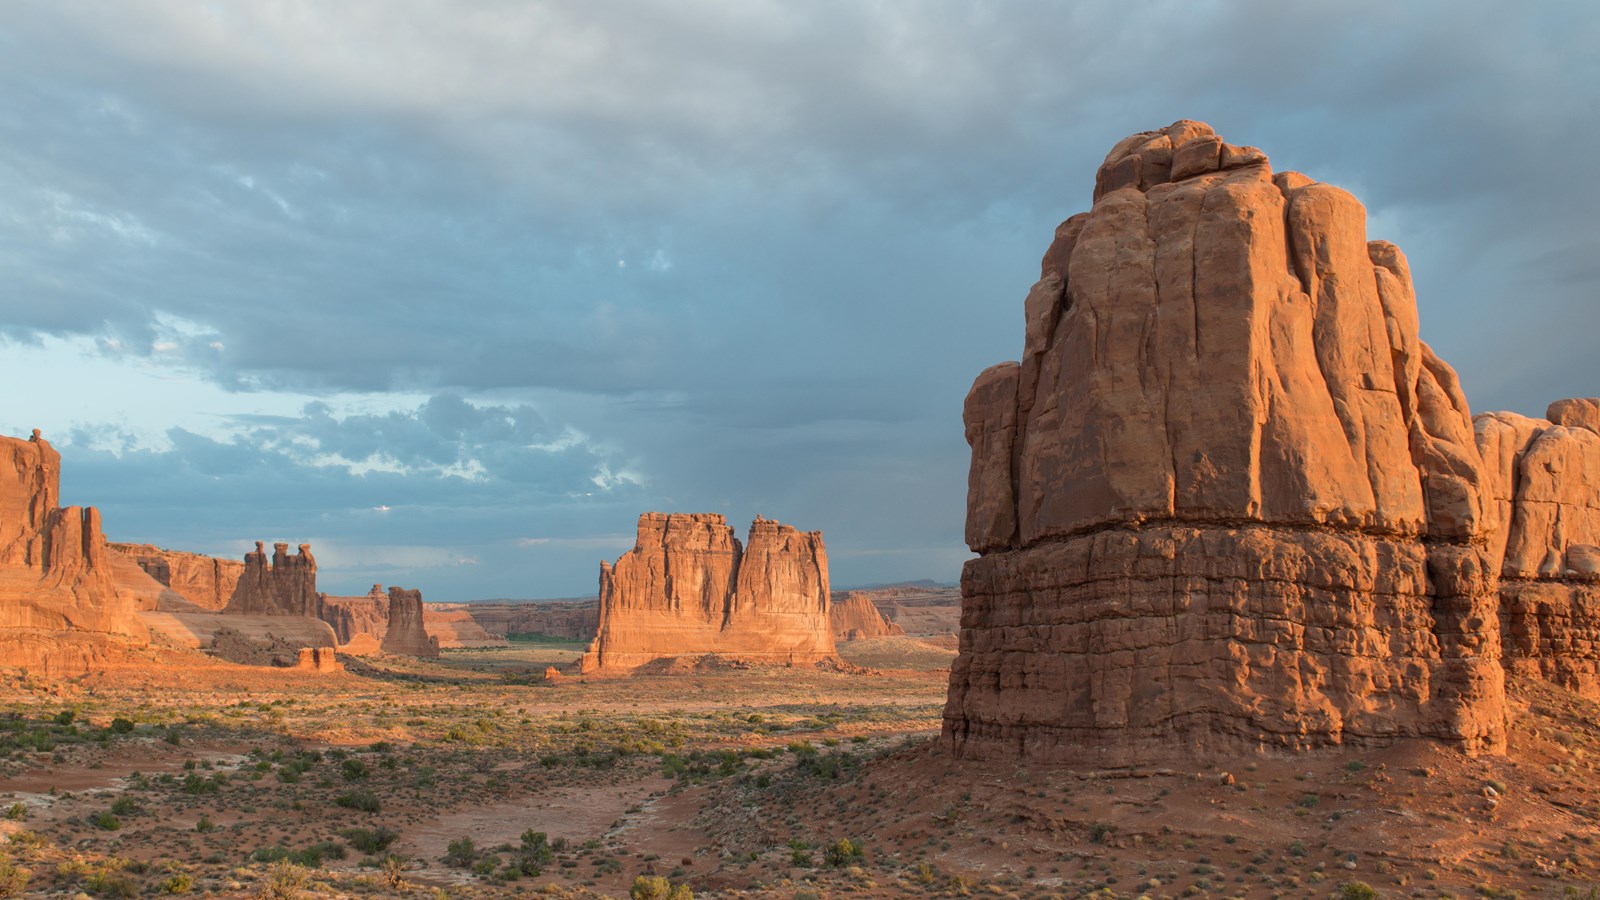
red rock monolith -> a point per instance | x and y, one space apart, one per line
406 635
286 586
690 588
1228 499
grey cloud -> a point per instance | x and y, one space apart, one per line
827 216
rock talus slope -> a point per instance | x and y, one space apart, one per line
1227 498
60 613
689 588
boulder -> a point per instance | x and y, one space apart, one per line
690 588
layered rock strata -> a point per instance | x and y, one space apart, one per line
285 586
1228 498
405 634
856 617
205 581
60 612
689 588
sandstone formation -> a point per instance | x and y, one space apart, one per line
1542 495
405 635
689 588
321 660
60 613
351 616
1228 498
286 586
205 581
854 617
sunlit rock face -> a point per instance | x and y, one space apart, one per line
405 634
689 588
1228 498
1542 495
205 581
286 586
60 612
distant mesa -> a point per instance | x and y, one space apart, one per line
688 588
60 611
1229 499
855 617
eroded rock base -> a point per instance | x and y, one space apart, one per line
1133 645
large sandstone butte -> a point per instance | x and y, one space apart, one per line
60 612
405 634
287 586
689 588
1228 498
205 581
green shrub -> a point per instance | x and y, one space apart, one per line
119 725
354 770
365 801
370 841
461 853
106 821
13 878
16 812
177 884
1357 890
534 854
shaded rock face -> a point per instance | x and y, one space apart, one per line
854 617
351 616
405 635
286 586
1228 498
1542 489
455 627
577 619
60 613
205 581
689 588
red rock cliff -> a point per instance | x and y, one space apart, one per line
1228 498
350 616
60 613
688 588
205 581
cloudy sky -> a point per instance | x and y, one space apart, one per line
454 290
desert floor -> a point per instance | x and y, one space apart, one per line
473 776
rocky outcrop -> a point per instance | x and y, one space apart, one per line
205 581
322 660
351 616
854 617
405 635
689 588
1542 489
286 586
60 613
1228 498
